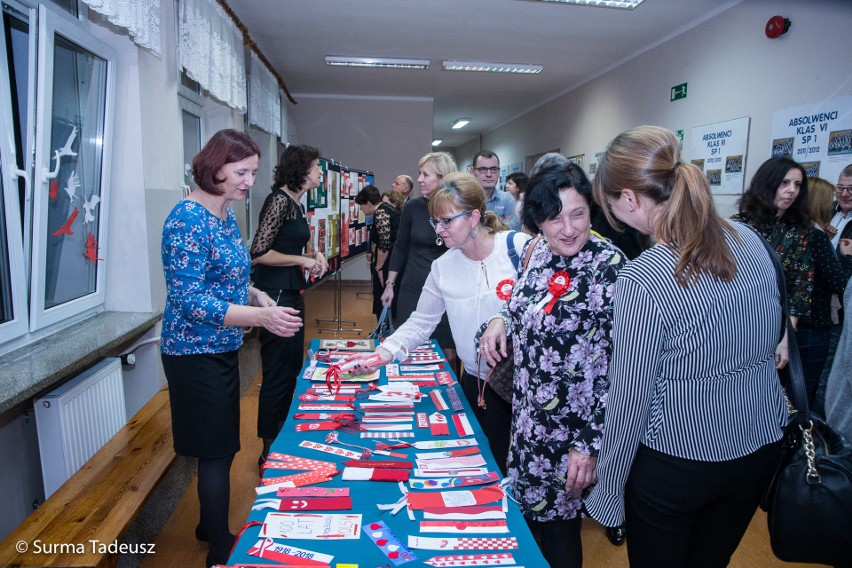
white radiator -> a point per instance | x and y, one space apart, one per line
77 418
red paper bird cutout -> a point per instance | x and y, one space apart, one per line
54 187
91 248
66 228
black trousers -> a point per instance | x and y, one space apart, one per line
495 419
692 514
281 359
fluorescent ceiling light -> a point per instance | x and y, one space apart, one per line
460 123
436 142
383 62
492 67
623 4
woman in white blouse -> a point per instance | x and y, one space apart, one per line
464 284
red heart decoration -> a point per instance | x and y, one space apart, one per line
381 542
393 555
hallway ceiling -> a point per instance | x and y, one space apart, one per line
573 43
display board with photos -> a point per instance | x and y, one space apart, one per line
329 212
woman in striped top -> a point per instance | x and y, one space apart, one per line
695 410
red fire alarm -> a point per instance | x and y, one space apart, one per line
777 26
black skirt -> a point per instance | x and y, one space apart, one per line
204 393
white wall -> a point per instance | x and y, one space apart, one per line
731 67
387 136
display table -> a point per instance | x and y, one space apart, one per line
365 495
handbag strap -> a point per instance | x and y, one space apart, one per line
530 249
510 246
794 360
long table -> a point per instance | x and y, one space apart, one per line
365 495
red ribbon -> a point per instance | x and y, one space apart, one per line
504 289
558 287
332 379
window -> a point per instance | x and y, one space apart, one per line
61 197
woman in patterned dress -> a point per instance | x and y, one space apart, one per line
207 278
559 318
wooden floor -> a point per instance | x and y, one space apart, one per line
176 544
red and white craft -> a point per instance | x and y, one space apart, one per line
462 424
464 527
330 449
370 474
498 559
304 504
441 444
438 424
451 464
478 513
438 399
484 496
464 543
288 555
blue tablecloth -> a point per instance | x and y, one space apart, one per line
366 494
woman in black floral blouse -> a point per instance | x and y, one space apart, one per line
559 318
776 205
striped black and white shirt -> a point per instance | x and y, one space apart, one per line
692 372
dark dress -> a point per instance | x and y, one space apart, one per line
383 233
414 252
282 228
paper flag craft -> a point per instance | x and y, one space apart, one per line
501 559
484 496
288 555
389 543
438 399
311 526
369 474
462 425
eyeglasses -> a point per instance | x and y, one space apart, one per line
491 170
444 222
841 189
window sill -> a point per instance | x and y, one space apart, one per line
32 369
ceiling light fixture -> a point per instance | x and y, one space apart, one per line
460 123
491 67
623 4
381 62
436 142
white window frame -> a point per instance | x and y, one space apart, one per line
52 24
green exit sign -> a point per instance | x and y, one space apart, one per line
679 92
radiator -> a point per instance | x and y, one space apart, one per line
77 418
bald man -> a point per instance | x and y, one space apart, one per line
403 184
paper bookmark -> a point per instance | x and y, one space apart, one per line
464 543
370 474
478 513
462 425
448 453
389 543
501 559
438 399
464 527
450 482
445 472
311 526
455 401
441 444
438 424
422 420
284 554
387 435
304 504
305 492
444 378
276 460
301 479
484 496
330 449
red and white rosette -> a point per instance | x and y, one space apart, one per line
557 286
504 288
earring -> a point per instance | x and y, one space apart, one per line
632 210
439 241
473 233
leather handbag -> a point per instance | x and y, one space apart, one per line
384 327
809 500
501 377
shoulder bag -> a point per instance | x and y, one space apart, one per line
809 500
384 327
501 377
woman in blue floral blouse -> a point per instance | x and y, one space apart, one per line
207 278
558 318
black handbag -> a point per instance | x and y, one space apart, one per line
384 327
501 377
809 500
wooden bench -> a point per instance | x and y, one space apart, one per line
100 501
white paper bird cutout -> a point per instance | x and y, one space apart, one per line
66 150
89 207
73 184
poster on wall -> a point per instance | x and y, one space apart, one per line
817 135
357 227
323 215
593 163
719 150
